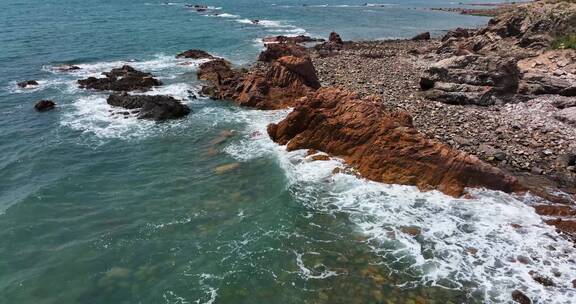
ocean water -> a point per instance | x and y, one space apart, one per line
98 208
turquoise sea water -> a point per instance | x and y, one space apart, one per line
96 208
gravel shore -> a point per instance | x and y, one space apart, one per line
523 137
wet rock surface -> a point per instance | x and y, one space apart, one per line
275 51
526 136
44 105
284 74
195 54
151 107
382 145
519 297
125 78
27 83
66 68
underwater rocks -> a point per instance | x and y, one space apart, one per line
152 107
519 297
44 105
285 76
382 145
195 54
124 79
27 83
66 68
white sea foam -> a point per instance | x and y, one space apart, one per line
172 298
180 91
312 274
226 15
245 21
275 26
479 241
93 115
13 87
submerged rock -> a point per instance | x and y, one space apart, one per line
225 168
383 146
66 68
195 54
520 297
44 105
125 78
152 107
27 83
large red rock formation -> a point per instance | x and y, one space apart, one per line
286 75
275 51
382 145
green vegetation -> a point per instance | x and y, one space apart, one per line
565 42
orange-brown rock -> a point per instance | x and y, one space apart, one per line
278 50
271 85
383 145
215 71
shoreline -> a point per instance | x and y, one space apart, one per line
399 88
507 128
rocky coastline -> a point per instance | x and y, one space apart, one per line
489 107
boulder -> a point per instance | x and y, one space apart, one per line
275 51
125 78
382 145
215 71
302 67
27 83
565 102
195 54
471 79
521 31
457 33
569 91
567 115
520 297
335 38
284 74
44 105
551 72
152 107
422 36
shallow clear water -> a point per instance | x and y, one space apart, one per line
96 208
